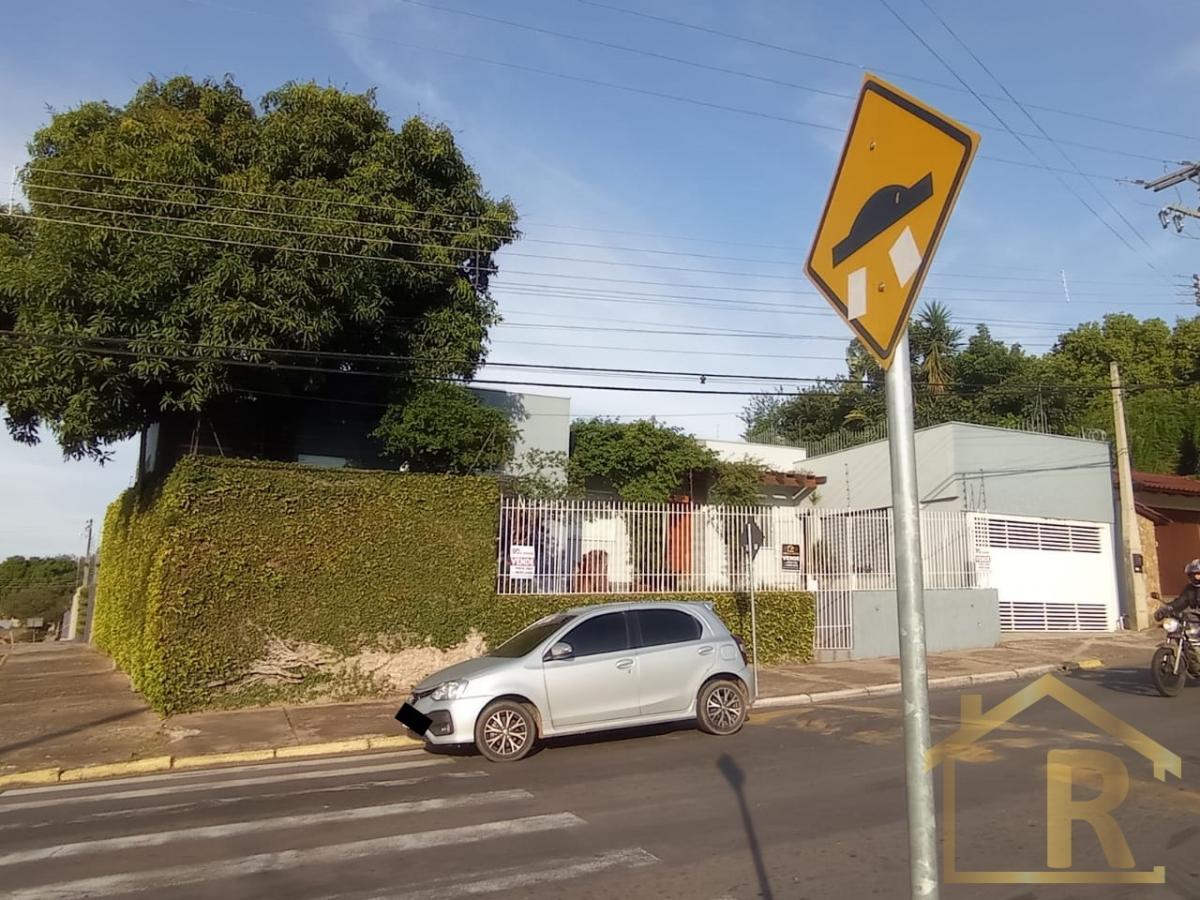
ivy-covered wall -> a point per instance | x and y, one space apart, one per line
199 570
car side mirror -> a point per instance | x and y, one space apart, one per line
561 650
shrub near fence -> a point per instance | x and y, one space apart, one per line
200 570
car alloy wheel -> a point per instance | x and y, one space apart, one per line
505 732
723 707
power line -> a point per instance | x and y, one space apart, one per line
771 309
683 351
379 404
358 256
739 73
166 201
1057 144
384 208
397 358
595 82
408 244
271 195
477 381
403 227
861 68
458 268
43 340
1021 140
41 171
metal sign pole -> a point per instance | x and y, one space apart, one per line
753 628
910 596
751 539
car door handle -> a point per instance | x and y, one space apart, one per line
704 651
625 664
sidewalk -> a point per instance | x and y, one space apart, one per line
1016 652
63 706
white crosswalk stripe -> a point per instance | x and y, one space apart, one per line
232 783
176 876
528 876
215 802
259 826
295 832
164 779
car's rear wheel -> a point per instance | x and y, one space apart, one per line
506 731
721 707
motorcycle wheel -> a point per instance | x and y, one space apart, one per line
1166 681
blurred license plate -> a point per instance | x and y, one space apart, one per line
414 719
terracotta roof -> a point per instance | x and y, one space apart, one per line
1147 512
793 480
1153 483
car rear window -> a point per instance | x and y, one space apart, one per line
667 626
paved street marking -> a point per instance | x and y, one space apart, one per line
177 777
527 876
176 876
214 802
173 788
258 826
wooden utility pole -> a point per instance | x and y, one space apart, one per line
1133 587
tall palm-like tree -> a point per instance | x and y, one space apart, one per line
937 341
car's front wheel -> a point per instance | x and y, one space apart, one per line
721 707
506 731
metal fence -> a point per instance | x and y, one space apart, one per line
598 547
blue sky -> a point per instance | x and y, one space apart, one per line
616 182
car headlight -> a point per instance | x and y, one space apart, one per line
449 690
1170 624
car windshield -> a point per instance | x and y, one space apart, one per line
527 640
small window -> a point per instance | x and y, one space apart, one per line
603 634
667 626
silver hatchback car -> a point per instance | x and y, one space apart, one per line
591 668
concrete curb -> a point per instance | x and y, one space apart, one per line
950 681
168 763
399 742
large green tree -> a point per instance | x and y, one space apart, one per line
171 247
989 382
445 428
1159 365
648 462
36 586
643 461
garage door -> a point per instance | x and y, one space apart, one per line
1051 574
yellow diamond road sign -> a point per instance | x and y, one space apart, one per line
901 171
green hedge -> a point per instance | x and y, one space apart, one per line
197 571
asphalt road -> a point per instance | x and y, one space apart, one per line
801 804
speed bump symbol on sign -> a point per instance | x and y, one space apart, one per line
900 173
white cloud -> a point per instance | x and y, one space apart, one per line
354 24
1184 63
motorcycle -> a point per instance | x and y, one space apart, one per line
1177 657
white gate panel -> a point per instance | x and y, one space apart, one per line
1050 574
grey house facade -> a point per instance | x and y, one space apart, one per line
1042 523
978 467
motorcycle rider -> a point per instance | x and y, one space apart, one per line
1189 597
